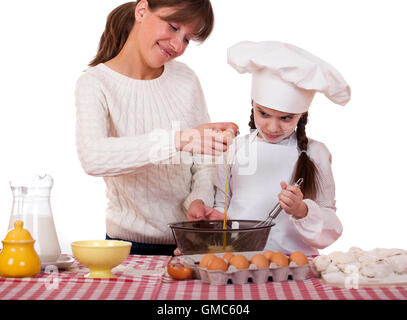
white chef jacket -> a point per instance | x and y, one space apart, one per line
256 169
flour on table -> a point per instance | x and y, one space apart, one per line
131 271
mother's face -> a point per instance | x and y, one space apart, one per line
159 41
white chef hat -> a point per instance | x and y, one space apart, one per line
286 77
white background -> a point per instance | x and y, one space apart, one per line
46 44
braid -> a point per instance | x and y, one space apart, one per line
302 140
252 125
305 167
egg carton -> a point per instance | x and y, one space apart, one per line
255 275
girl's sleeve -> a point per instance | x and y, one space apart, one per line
104 155
203 167
321 227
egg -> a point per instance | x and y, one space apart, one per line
218 264
260 261
228 133
279 259
206 259
240 262
179 272
299 258
227 256
268 254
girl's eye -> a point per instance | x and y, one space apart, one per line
263 114
286 118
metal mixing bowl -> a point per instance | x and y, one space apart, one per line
195 237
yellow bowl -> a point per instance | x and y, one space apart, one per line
101 256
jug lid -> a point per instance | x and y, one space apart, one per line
18 233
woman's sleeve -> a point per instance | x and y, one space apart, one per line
104 155
321 227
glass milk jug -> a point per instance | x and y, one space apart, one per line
31 204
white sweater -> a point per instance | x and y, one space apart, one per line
125 133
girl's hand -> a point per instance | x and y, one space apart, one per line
198 211
290 199
207 138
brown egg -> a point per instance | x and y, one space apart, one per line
299 258
240 262
227 256
260 261
268 254
218 264
228 133
279 259
206 259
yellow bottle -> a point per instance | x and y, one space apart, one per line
18 259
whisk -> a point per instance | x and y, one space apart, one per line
250 235
276 210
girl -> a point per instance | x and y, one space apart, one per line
135 106
265 164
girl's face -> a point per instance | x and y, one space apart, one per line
274 126
160 41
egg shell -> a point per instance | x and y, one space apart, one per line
179 272
206 259
299 258
260 261
268 254
240 262
228 255
279 259
218 264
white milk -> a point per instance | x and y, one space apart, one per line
43 231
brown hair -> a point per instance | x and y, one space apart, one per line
305 167
121 21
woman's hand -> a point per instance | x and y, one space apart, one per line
207 138
290 199
198 211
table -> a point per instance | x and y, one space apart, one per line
144 278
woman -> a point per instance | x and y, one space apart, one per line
135 107
278 151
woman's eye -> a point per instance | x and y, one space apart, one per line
263 114
172 27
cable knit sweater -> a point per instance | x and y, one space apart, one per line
125 133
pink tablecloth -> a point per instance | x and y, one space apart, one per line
72 285
311 289
144 278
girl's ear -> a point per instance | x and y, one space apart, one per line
141 10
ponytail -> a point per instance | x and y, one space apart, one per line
118 26
305 167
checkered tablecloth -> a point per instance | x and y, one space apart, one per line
145 278
310 289
138 278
